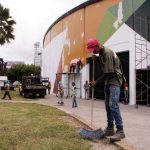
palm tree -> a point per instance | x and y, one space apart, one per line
6 26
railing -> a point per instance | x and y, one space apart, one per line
143 93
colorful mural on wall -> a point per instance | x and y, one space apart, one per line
111 21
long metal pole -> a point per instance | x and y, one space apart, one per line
92 102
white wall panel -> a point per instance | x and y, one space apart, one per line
52 55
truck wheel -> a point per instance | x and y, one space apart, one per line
24 94
33 95
42 96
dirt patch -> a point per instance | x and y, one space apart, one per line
73 122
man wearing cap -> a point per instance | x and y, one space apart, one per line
113 76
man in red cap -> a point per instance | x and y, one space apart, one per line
113 76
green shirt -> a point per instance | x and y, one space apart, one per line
111 67
73 91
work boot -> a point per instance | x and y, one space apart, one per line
118 136
62 103
109 131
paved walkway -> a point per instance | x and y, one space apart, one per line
136 121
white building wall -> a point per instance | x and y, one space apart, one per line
52 55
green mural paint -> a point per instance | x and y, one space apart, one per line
107 27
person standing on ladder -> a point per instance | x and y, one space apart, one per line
113 76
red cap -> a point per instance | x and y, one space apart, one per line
125 84
91 44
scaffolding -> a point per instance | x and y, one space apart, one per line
142 59
67 79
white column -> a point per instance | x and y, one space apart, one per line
85 76
132 69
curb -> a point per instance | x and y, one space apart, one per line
123 144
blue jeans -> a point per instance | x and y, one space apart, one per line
112 94
74 101
61 98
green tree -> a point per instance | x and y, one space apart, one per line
6 26
17 71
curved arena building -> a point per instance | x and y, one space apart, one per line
122 25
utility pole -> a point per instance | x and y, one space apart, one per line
37 57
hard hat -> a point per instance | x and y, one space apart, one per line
91 44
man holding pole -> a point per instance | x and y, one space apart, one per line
113 76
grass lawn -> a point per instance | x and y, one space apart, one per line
37 127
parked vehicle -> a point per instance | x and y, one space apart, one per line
32 87
45 80
16 83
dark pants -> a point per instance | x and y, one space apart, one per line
72 67
77 68
126 99
86 94
74 101
49 90
112 94
6 94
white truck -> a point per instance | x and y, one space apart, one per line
2 81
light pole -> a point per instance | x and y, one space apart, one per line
36 48
40 54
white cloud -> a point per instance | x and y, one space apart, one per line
33 18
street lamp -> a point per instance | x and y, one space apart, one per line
40 54
36 47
